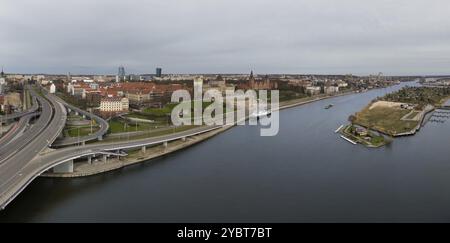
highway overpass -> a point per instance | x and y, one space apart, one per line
34 108
30 156
10 188
17 162
98 135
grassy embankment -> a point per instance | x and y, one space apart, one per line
160 118
388 119
385 119
75 131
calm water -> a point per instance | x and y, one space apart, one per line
305 174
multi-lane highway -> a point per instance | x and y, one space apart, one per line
18 129
15 132
43 162
18 162
26 158
17 145
20 114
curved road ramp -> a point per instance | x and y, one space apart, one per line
98 135
16 164
14 116
35 158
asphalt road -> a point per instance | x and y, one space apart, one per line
9 189
104 126
20 114
15 132
16 168
13 147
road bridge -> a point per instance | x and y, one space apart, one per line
10 188
18 162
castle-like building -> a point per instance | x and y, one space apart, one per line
258 84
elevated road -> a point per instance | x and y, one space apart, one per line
14 116
10 188
98 135
16 131
13 147
19 164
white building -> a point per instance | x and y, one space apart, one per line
331 89
45 82
313 90
114 104
342 84
52 88
69 88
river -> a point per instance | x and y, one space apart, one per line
304 174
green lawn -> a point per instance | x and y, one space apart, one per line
83 131
161 115
152 133
287 95
385 119
117 125
169 107
374 139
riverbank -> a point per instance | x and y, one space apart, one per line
364 136
82 169
394 119
134 157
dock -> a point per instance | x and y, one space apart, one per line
339 128
348 140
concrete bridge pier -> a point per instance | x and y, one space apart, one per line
66 167
100 138
90 159
183 139
105 157
165 145
143 149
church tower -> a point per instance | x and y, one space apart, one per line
252 80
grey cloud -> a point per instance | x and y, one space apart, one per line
226 36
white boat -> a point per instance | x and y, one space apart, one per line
260 113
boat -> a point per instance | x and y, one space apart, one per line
260 113
329 106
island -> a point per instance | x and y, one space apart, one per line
401 113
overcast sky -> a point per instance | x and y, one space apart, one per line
226 36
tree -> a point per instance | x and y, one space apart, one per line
352 119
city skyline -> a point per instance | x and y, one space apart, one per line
319 37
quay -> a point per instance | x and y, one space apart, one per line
348 140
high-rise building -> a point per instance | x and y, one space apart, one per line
158 72
121 72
